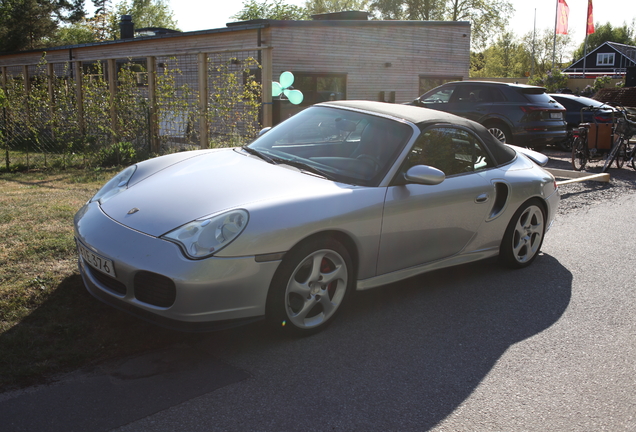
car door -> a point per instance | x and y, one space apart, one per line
471 101
424 223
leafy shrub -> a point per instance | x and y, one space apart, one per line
122 153
601 82
552 81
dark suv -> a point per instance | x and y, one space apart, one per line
516 114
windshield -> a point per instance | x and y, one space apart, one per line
342 145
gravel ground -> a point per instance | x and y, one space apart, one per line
582 195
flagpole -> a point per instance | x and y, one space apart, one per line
556 20
534 34
585 51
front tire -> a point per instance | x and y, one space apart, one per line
621 155
611 156
310 286
524 236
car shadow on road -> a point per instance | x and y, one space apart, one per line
402 356
407 354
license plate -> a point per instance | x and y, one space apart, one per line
556 116
96 261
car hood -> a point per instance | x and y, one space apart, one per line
207 184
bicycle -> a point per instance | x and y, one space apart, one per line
592 141
622 150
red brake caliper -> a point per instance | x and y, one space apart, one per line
327 266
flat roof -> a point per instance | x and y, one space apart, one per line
259 24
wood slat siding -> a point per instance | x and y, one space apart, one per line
362 51
359 49
174 45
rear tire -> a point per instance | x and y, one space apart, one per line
579 154
524 236
500 131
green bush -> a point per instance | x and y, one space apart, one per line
552 81
122 153
601 82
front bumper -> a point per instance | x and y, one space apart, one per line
193 294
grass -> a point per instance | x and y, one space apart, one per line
49 323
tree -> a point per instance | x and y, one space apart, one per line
99 23
427 10
506 58
328 6
607 33
487 17
145 13
543 46
276 10
73 34
27 24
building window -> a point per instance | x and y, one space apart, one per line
320 87
603 59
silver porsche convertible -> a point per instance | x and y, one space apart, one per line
343 196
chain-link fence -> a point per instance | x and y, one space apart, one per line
115 112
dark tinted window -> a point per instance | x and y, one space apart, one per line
578 102
472 94
497 95
535 97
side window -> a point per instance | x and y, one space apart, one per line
496 95
472 94
440 96
451 150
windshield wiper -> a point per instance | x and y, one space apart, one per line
306 167
259 154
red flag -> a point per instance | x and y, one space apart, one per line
590 19
562 17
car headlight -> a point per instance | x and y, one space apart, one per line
115 185
204 237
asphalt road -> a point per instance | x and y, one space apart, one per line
476 348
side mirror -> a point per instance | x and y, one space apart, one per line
425 175
264 131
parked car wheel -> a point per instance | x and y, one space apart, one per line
524 236
500 131
310 286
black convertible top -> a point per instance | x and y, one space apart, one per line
424 117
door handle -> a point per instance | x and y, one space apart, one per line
481 198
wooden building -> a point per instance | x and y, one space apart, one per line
330 57
609 59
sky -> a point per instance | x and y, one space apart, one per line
194 15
